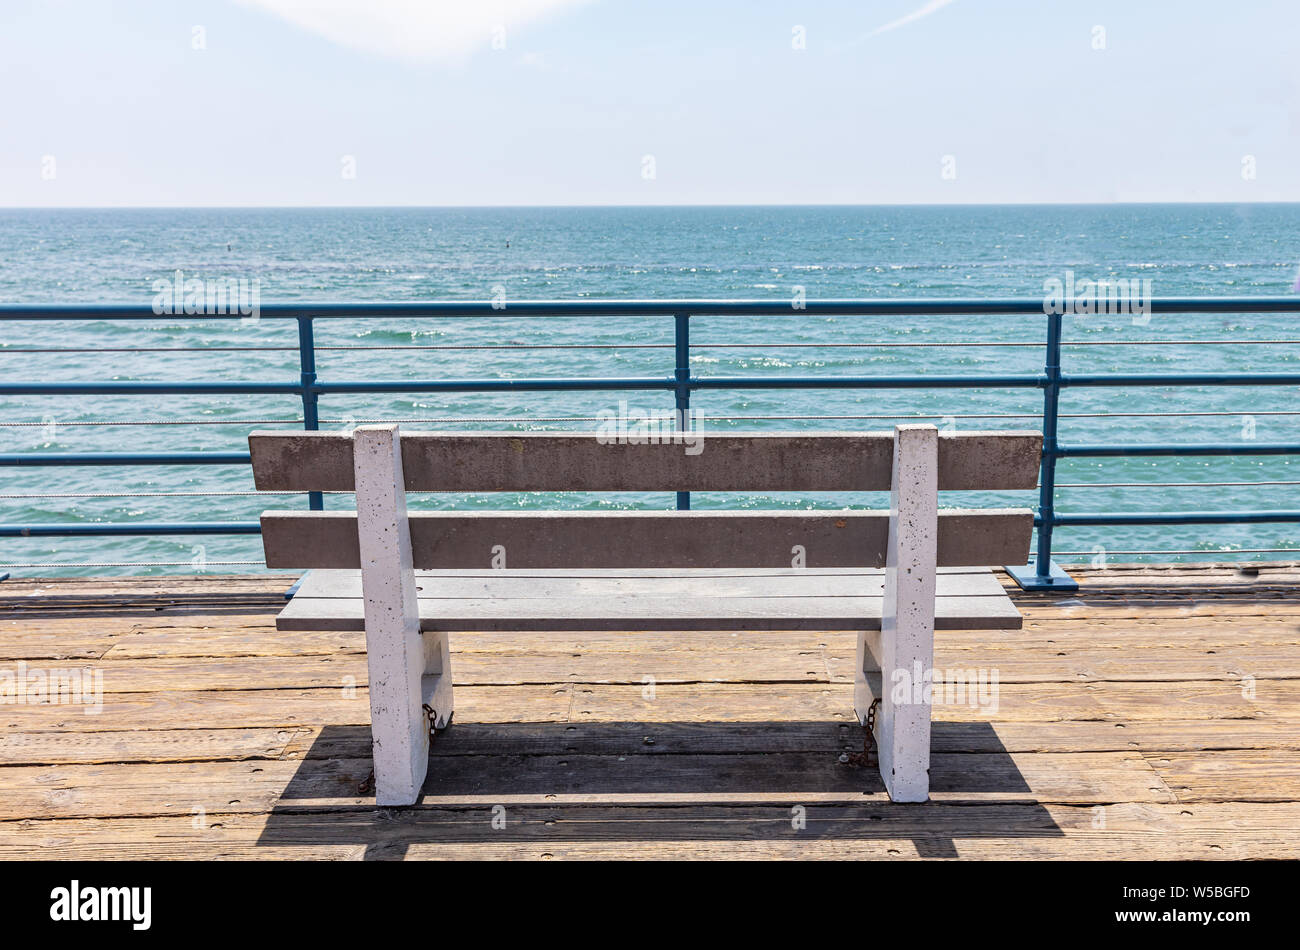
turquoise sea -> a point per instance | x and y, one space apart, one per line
62 256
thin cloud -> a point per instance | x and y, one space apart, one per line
917 14
417 31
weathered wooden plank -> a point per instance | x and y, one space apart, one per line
65 645
262 640
1017 702
1123 610
148 745
576 461
270 708
1140 634
1189 567
863 831
1167 578
1089 666
749 661
685 539
1231 776
225 787
710 702
709 738
630 738
16 590
181 674
1144 641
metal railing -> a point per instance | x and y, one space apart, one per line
310 387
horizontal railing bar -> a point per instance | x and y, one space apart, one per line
375 386
171 422
1234 342
598 384
1161 415
154 349
155 494
601 308
706 418
397 346
869 382
1077 519
669 383
523 384
111 388
242 458
252 527
1172 484
1183 379
253 493
189 563
776 345
953 343
236 494
22 459
630 346
1102 450
1161 553
519 419
128 528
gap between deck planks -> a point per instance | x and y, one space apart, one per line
205 702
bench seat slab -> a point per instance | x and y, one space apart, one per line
732 599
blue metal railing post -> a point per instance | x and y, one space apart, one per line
1051 415
1043 574
310 411
682 392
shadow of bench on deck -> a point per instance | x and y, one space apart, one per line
540 783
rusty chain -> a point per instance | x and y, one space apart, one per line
863 758
431 714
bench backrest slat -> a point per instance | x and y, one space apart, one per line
555 462
302 540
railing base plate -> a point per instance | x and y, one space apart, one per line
1028 578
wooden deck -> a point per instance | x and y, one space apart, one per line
1156 714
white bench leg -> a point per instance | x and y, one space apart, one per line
406 670
896 665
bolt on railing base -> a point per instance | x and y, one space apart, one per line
1029 579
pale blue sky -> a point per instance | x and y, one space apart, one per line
1013 90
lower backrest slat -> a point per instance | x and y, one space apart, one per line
301 540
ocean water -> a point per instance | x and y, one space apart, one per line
762 252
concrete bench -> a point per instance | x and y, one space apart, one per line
408 580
